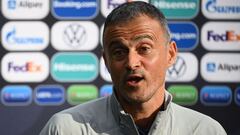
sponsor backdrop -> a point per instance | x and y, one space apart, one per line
51 58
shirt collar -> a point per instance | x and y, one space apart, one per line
118 111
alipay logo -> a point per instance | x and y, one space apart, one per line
25 36
108 5
25 9
49 95
75 35
15 95
25 67
177 9
223 36
185 68
224 67
75 9
211 67
221 9
76 67
185 34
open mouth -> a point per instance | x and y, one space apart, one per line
134 80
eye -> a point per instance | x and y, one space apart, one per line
144 49
119 53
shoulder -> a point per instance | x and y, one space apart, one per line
77 119
195 121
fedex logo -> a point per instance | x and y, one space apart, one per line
28 67
25 67
227 36
221 36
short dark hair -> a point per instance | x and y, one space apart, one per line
130 10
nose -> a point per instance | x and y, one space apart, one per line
133 60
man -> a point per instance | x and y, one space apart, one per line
137 53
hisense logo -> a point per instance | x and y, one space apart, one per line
175 5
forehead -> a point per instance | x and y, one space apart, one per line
138 25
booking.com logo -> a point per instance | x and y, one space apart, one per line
185 34
75 9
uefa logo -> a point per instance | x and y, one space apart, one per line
185 68
75 36
49 94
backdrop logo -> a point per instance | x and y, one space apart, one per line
221 36
216 95
77 94
104 72
225 67
16 95
25 9
185 34
184 94
106 90
75 9
24 36
221 9
237 96
25 67
75 35
76 67
108 5
185 68
211 67
178 9
49 95
178 69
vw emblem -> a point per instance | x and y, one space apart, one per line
178 69
75 35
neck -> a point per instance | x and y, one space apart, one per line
144 113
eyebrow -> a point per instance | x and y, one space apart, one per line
115 44
140 37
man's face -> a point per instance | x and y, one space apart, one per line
137 56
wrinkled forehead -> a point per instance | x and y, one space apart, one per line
140 26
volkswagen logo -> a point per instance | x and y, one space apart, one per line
75 35
178 69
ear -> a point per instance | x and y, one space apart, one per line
105 60
172 53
